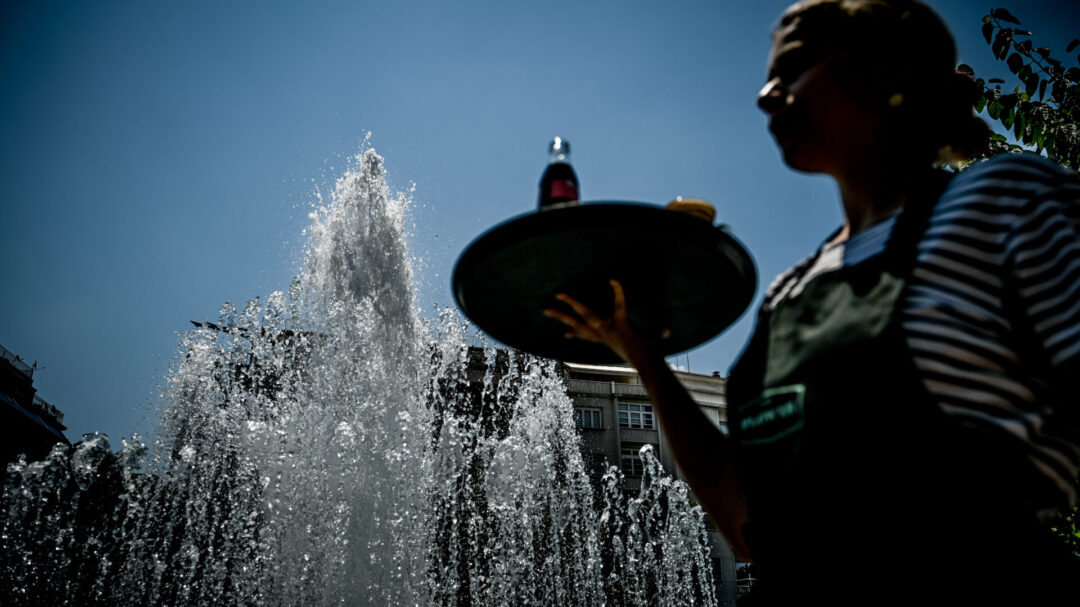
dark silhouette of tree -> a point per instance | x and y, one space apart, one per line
1042 108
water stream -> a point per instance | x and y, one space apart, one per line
327 446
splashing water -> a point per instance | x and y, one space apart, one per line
329 447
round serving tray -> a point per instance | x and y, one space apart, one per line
679 273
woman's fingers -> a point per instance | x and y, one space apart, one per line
620 299
614 332
582 310
585 324
577 328
562 317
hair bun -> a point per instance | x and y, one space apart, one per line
963 86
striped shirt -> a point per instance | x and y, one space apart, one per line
992 310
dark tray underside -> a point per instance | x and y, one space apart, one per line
678 272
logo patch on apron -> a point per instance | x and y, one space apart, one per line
777 413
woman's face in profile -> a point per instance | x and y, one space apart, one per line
820 109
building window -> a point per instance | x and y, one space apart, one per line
636 415
744 577
588 418
632 466
717 570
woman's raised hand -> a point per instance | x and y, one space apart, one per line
615 332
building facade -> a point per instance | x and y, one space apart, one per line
31 425
616 419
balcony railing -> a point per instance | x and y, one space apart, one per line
17 362
585 386
45 407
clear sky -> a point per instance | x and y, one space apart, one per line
158 159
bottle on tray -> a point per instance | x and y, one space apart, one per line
559 183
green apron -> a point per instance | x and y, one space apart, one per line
859 489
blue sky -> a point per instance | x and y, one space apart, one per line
158 159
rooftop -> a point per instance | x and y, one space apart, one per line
19 364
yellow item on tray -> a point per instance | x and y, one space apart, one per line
693 206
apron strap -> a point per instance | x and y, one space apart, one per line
902 247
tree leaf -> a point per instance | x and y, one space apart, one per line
1044 51
1057 92
1072 45
1018 125
995 81
1031 82
965 69
1024 46
988 32
1042 89
1001 44
1072 74
994 109
980 103
1015 62
1008 101
1004 15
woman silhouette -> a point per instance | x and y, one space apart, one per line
904 420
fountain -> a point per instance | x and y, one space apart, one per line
327 446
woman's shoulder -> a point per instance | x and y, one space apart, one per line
785 281
1001 221
1019 170
1006 186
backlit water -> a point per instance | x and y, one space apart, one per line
327 446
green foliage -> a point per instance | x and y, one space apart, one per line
1043 113
1067 527
1043 110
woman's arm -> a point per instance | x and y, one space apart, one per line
702 451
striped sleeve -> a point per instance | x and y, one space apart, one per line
1044 253
992 313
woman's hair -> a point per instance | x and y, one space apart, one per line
902 45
